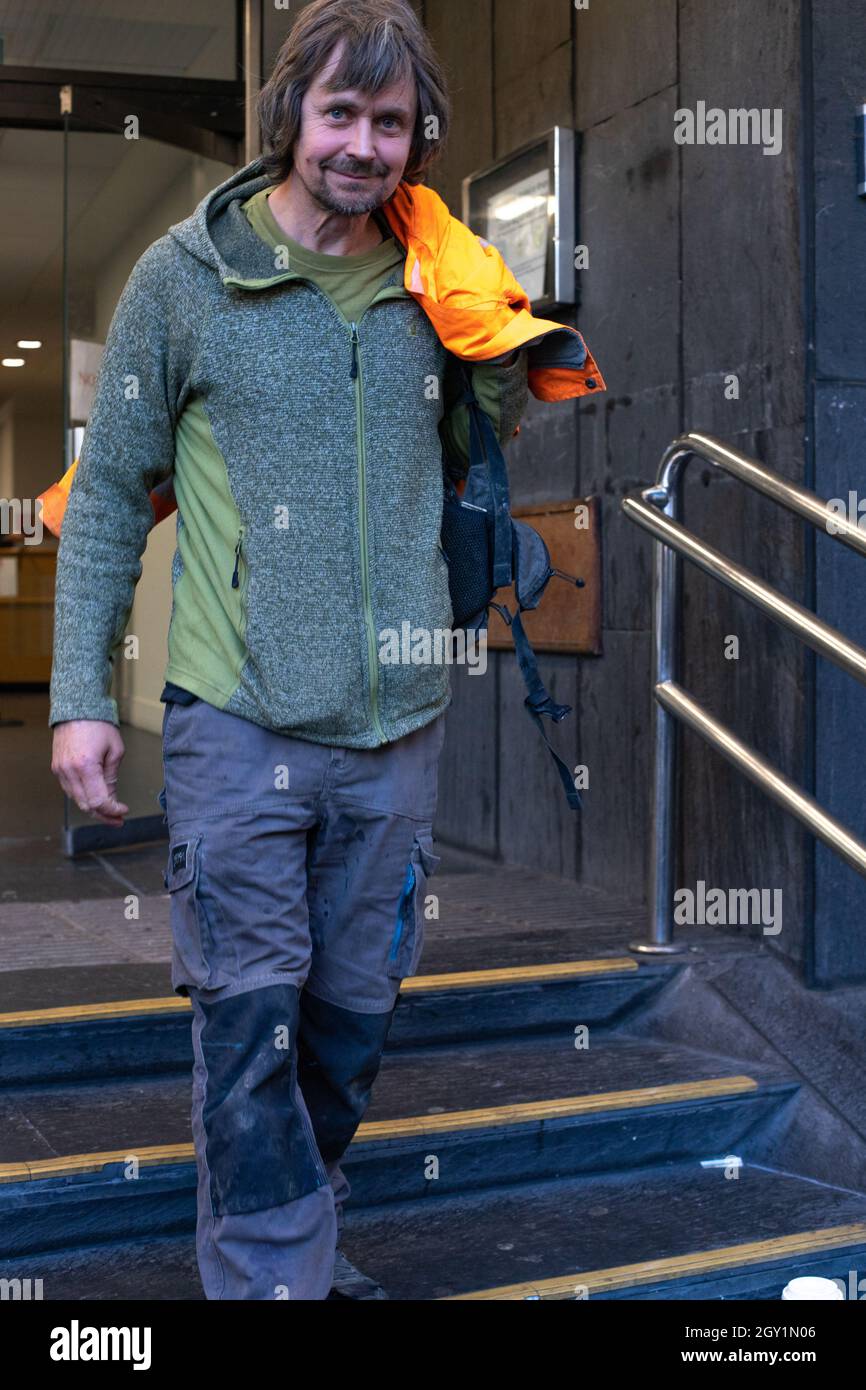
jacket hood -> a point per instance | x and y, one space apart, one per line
218 232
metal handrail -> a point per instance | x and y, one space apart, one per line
656 509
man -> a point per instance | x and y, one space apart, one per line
266 355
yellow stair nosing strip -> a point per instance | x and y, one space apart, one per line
558 1108
514 974
64 1164
675 1266
379 1130
117 1008
458 979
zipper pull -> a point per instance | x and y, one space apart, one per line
354 372
235 580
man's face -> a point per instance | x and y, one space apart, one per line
346 134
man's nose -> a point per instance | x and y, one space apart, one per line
360 143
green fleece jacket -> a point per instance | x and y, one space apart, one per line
307 462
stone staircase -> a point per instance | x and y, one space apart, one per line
539 1128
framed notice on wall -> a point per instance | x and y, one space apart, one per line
524 205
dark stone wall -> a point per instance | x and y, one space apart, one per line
705 262
693 274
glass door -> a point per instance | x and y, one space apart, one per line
116 120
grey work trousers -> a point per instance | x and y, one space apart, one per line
297 874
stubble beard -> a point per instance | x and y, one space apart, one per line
364 202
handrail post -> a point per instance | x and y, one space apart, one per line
666 633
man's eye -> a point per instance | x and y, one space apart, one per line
336 108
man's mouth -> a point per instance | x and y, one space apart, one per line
358 178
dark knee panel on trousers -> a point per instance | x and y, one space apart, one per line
339 1054
257 1141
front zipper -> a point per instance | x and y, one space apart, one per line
355 374
388 292
235 578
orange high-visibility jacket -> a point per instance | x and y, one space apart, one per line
477 307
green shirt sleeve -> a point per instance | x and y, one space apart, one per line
501 387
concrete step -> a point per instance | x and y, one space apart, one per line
530 1109
147 1036
677 1231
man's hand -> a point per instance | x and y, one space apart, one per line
85 758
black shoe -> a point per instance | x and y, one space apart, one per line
349 1282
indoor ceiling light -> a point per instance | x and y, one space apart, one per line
28 343
12 362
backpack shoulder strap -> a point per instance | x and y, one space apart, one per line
485 451
538 701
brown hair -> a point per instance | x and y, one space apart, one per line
385 43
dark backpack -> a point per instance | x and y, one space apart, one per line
486 550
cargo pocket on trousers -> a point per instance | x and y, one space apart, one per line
192 946
407 941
